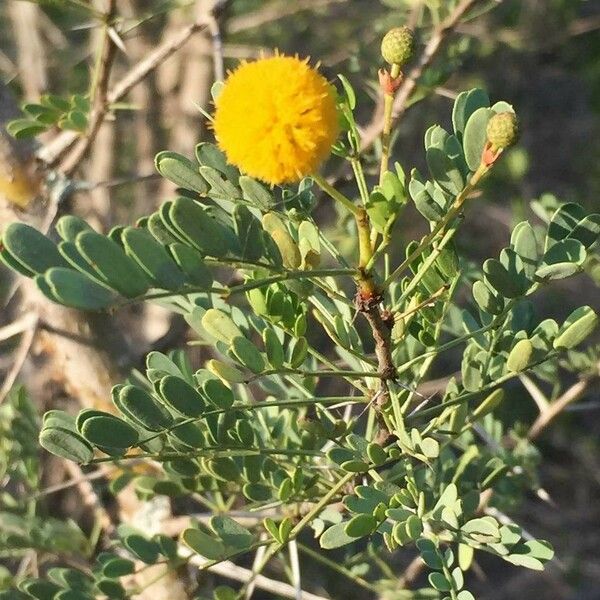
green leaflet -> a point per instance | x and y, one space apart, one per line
143 408
475 137
181 396
181 171
66 444
111 263
578 326
202 231
75 289
33 251
220 326
109 431
152 257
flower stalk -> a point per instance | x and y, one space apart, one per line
335 194
365 247
397 48
389 83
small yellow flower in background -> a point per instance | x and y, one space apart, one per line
276 119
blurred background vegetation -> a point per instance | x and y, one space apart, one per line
541 55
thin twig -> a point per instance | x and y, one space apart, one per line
242 51
119 181
19 326
275 11
584 25
76 481
412 572
99 93
251 583
535 392
230 570
295 566
20 358
90 498
574 393
217 48
338 568
427 302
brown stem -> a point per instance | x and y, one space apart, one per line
382 334
381 323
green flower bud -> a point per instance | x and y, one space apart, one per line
503 130
397 45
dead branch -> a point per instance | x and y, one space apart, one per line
20 357
574 393
17 327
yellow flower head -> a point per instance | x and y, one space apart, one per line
276 119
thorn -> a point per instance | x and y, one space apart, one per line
543 495
116 38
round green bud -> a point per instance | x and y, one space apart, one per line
397 45
503 130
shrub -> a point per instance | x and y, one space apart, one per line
377 466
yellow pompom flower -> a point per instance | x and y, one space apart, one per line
276 119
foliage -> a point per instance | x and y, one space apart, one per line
308 412
253 427
23 522
51 111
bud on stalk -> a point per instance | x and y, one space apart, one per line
397 45
503 130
